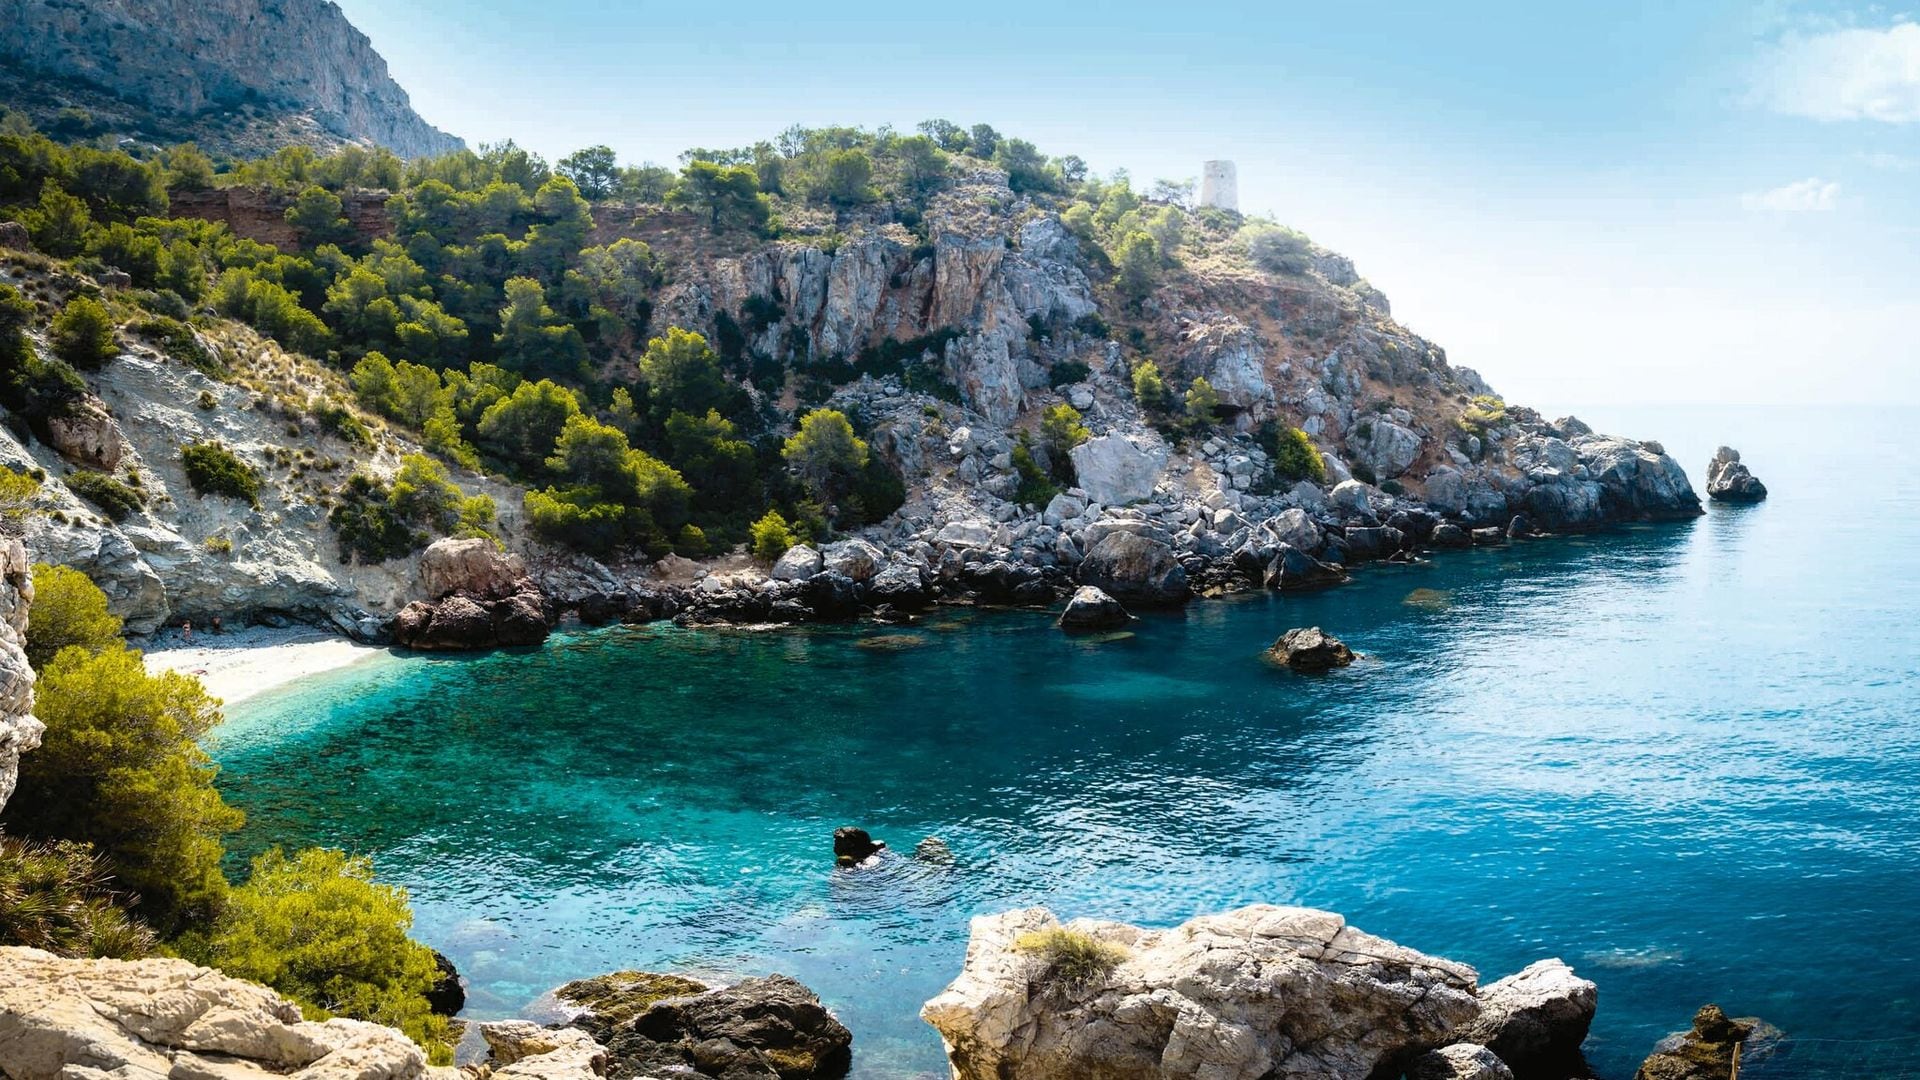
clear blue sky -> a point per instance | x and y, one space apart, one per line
1590 203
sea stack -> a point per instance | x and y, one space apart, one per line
1729 481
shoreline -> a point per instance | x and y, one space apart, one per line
238 665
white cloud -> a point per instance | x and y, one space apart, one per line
1812 193
1845 74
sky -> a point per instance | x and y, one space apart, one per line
1590 204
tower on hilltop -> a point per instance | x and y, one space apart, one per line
1219 185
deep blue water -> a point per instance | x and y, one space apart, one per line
1686 758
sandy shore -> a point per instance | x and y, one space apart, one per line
241 664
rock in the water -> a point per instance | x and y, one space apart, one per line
1448 535
1118 469
449 993
1729 481
523 1050
1535 1020
149 1019
1310 649
607 1003
478 597
856 559
1293 569
772 1028
1706 1051
798 563
1135 570
1461 1061
1262 991
851 846
933 851
1092 609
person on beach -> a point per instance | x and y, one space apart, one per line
216 624
186 630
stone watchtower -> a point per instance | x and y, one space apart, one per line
1219 185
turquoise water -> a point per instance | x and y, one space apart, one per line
1683 757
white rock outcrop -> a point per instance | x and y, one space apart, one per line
1262 991
163 1018
19 731
1118 469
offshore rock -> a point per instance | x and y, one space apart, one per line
472 566
1729 481
165 1018
1706 1052
1535 1020
1136 570
1311 649
852 846
758 1028
1093 609
19 730
1261 991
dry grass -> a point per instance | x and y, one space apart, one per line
1072 957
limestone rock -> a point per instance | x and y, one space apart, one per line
473 566
169 1018
524 1050
1729 481
1093 609
88 435
19 730
1296 528
1118 469
1352 496
1135 570
1535 1020
1261 991
856 558
1312 649
797 563
14 235
1461 1061
1385 447
1706 1051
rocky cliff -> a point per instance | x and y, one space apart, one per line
19 731
218 56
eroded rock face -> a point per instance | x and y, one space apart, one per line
19 730
1536 1019
1090 609
1135 570
1729 481
88 435
1311 649
1262 991
148 1019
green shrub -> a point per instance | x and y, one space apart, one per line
771 537
68 609
1277 249
1294 456
1393 487
1071 956
57 896
338 420
83 333
1036 489
1203 403
1485 412
1066 373
318 928
114 498
368 526
691 543
17 493
213 469
207 401
1149 389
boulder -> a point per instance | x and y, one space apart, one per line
1448 535
1706 1052
967 534
857 559
1295 527
1372 541
449 993
1093 609
14 235
523 1050
1729 481
1292 569
1461 1061
1258 992
902 584
148 1019
474 566
1135 570
461 621
831 596
1118 469
771 1027
797 563
88 435
1535 1020
1351 496
1638 481
933 851
1384 446
1310 649
607 1003
851 846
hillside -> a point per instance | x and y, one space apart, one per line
241 77
962 369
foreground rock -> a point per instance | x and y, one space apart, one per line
1092 609
19 730
851 847
1262 991
1310 649
1136 569
523 1050
479 597
1729 481
607 1003
148 1019
1461 1061
1535 1020
1707 1051
757 1028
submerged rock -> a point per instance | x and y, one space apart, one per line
1706 1052
1729 481
1310 649
933 851
851 846
1535 1020
1093 609
1262 991
146 1019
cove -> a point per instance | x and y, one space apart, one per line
1684 758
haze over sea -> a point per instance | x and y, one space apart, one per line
1685 758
